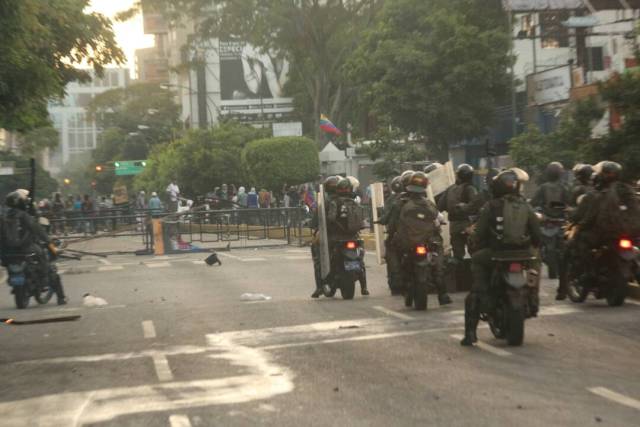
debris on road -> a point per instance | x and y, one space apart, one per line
89 300
254 297
40 321
213 259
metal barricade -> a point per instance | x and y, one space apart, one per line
245 228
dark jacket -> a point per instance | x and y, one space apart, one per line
486 232
28 230
549 193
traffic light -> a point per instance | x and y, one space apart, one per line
117 164
93 184
141 164
99 168
67 181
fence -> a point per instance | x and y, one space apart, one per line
247 228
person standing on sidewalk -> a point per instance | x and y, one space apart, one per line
173 192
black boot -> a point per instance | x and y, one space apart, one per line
444 299
317 293
471 320
363 289
470 326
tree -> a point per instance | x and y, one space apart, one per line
621 145
134 119
200 161
436 68
35 141
43 41
569 143
315 36
273 162
45 184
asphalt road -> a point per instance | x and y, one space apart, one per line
176 346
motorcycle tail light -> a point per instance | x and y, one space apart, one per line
351 245
515 267
421 250
625 244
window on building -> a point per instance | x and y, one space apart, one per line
553 33
595 59
83 99
115 78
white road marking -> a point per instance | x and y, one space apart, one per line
297 251
226 255
358 338
111 268
198 262
104 261
616 397
158 265
148 329
297 258
487 347
61 272
393 313
558 310
179 421
108 357
163 370
252 259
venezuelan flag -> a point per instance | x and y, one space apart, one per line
328 127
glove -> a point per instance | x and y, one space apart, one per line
53 249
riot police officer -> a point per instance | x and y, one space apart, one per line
394 278
582 185
21 234
457 200
425 227
390 220
492 234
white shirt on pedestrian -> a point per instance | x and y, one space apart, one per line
173 191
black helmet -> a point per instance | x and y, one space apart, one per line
396 184
405 177
583 172
431 167
330 184
418 183
464 173
344 187
506 182
18 199
608 171
555 170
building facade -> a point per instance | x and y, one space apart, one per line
78 134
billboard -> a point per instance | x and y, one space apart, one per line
252 81
549 86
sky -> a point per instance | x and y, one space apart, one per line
130 35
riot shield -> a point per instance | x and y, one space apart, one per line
440 179
325 261
377 206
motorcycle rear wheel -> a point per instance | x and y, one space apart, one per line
347 287
420 296
515 326
21 296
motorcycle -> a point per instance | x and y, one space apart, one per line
553 239
417 270
607 274
513 296
347 267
